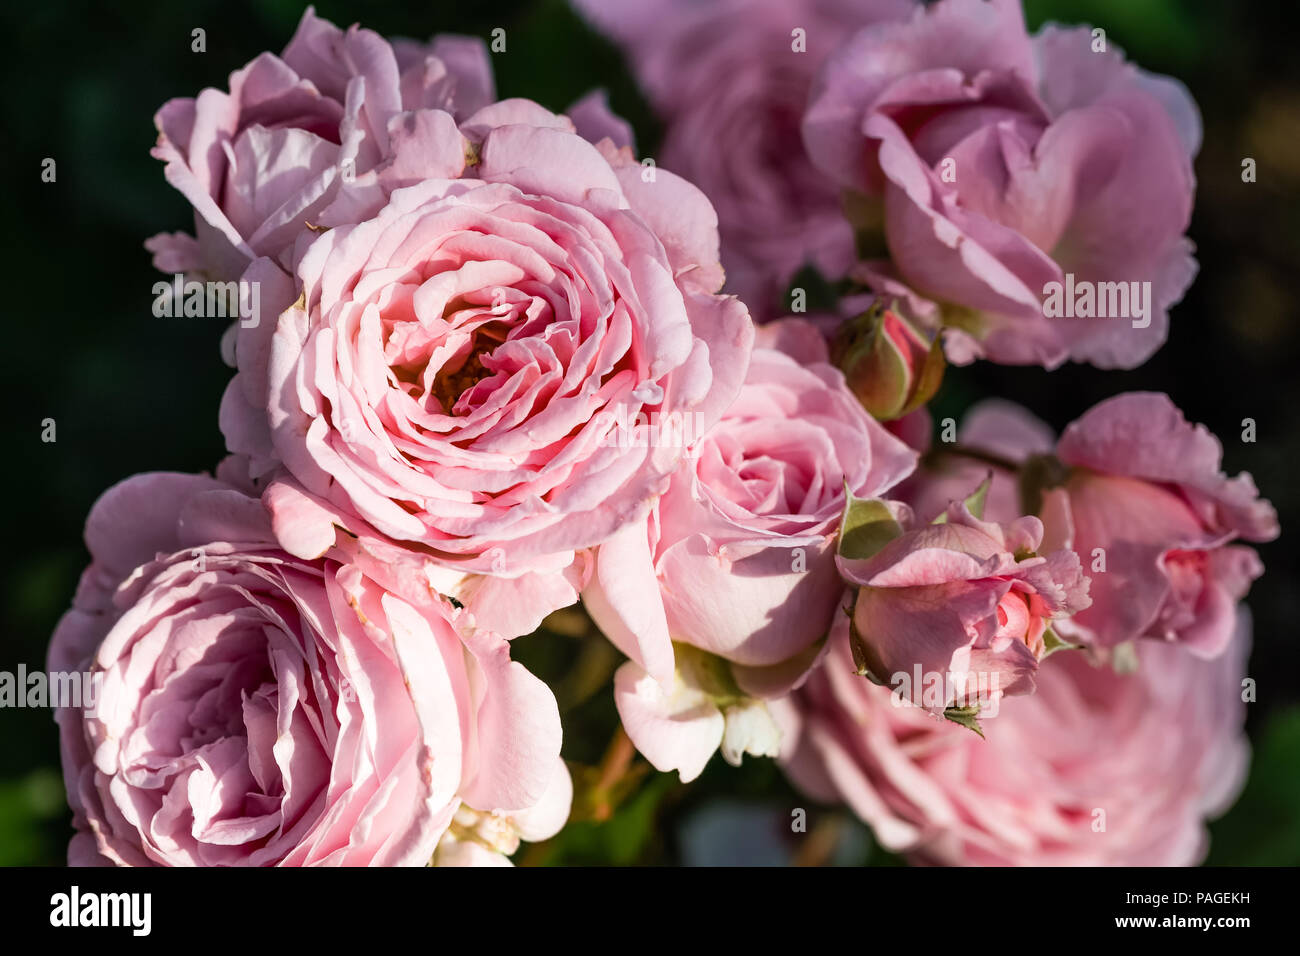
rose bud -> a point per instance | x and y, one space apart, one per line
888 363
1140 495
963 603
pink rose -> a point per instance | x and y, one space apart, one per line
731 80
956 613
998 164
262 709
1148 489
259 160
1096 768
737 558
1140 494
469 361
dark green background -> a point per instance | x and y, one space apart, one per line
131 392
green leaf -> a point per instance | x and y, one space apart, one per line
976 499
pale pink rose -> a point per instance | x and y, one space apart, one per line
258 161
730 80
737 559
1148 489
1140 495
472 365
964 602
262 709
1095 769
997 163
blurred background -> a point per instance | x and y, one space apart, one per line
130 392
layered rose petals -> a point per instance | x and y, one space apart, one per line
997 163
1147 498
260 709
966 602
737 560
259 160
472 369
730 80
1097 768
1139 493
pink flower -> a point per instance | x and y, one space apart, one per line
964 603
262 709
472 365
1147 488
259 160
737 558
993 427
1140 495
998 164
731 80
1096 768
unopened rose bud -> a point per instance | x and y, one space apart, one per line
889 364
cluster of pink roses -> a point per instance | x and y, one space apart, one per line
496 375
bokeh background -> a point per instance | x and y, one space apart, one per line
130 392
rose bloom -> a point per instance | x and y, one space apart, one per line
730 80
261 709
1096 768
737 558
273 151
965 601
1139 493
471 355
996 163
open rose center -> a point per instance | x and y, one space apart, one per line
745 468
223 764
442 367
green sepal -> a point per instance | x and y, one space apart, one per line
974 502
967 716
866 526
1052 643
859 647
